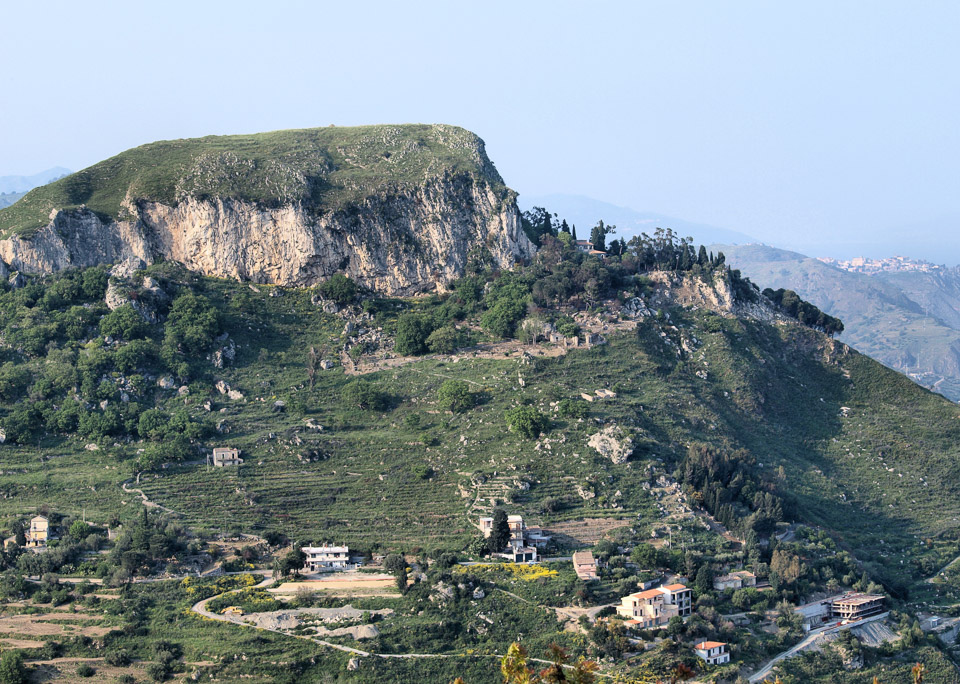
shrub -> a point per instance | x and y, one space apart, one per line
124 323
117 658
455 395
12 670
572 408
85 670
527 421
339 288
364 395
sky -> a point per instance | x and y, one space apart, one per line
826 127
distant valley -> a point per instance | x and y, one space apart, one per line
906 318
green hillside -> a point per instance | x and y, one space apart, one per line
438 410
907 321
324 168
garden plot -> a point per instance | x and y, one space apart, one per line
587 531
323 621
52 624
343 584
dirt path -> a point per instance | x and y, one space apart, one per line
200 608
942 570
146 502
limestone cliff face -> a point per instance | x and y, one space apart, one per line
398 208
395 243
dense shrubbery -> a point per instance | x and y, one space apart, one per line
805 312
728 487
339 288
527 421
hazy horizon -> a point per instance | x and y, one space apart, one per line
821 128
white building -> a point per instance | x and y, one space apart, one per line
323 558
523 542
713 652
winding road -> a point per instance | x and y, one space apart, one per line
807 642
200 608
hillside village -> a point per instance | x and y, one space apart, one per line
627 459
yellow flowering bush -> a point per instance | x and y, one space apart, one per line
527 573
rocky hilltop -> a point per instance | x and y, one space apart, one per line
400 209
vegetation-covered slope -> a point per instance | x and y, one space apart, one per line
841 441
907 321
324 168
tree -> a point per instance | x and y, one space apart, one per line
501 320
14 381
514 668
19 533
79 530
412 333
312 360
500 534
293 562
704 581
445 340
644 555
455 395
124 323
396 565
12 670
527 421
339 288
193 324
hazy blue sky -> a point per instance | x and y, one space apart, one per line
813 125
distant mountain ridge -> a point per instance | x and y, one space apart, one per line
23 184
908 320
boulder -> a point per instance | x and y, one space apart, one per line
235 395
613 442
127 267
166 382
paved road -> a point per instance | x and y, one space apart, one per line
807 642
942 570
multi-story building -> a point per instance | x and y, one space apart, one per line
523 542
856 606
322 558
713 652
655 607
39 532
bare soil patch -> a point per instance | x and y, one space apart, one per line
51 624
587 531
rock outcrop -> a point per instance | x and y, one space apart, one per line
392 234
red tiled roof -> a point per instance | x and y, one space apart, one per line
675 587
707 645
648 594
